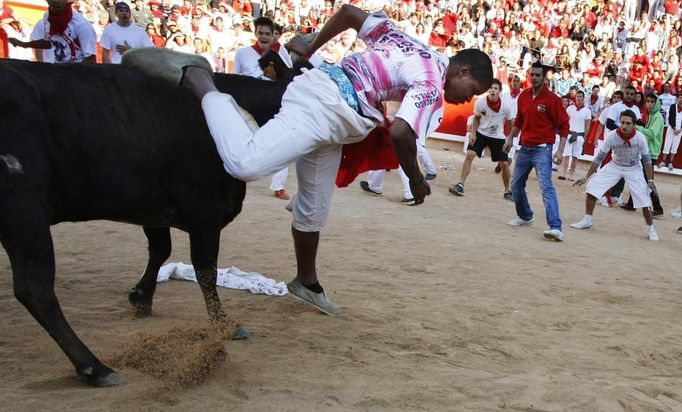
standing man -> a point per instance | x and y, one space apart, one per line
653 133
613 123
511 98
62 36
540 114
122 35
487 130
673 135
579 118
246 63
321 111
629 151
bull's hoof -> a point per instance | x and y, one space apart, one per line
101 377
142 305
240 333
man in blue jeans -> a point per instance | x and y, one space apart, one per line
540 115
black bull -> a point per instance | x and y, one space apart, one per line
85 142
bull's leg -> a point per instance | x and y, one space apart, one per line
142 294
204 245
29 246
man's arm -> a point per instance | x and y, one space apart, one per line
510 138
588 123
106 56
348 17
474 129
405 147
33 44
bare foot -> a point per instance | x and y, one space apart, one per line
199 81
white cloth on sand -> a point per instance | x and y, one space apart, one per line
231 278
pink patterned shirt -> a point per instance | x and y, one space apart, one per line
397 67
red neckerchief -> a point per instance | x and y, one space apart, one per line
494 106
645 116
626 139
679 107
578 107
258 49
593 99
59 21
514 93
628 104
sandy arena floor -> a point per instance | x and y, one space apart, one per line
445 308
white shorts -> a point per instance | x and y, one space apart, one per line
574 149
310 128
610 174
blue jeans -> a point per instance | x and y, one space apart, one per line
541 158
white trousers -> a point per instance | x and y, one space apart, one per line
279 180
610 174
310 128
672 142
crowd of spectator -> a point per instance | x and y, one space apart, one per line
610 43
588 42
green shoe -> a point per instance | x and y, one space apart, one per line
318 300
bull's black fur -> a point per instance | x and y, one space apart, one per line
106 142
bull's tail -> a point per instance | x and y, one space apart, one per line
12 164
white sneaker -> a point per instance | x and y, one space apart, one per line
520 222
676 213
583 224
653 235
554 234
604 201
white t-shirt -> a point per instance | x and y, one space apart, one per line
115 35
616 109
490 122
397 67
511 102
577 118
246 62
625 154
595 108
76 43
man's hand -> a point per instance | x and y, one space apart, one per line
420 189
506 147
298 45
652 186
15 42
558 157
122 48
580 182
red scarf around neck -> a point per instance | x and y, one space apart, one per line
260 50
593 99
494 106
626 139
514 93
578 107
59 21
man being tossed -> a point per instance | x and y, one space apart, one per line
327 107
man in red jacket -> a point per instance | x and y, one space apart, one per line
540 114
